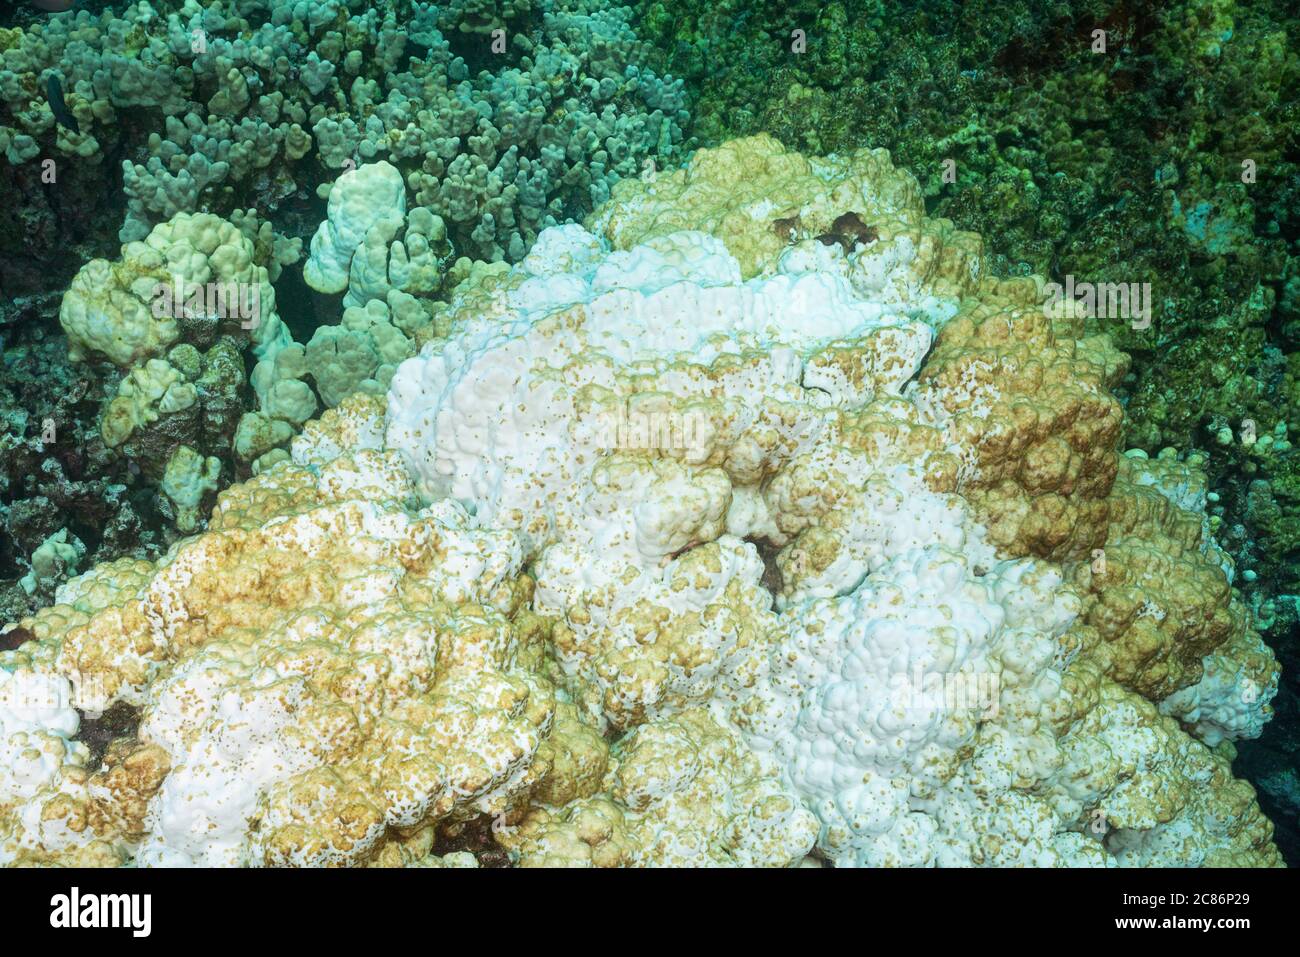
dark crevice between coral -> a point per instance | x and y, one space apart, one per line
301 308
1272 761
9 567
12 639
772 579
98 731
475 837
475 46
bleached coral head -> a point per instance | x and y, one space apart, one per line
749 522
833 488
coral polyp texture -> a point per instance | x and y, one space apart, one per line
491 121
750 523
174 314
239 102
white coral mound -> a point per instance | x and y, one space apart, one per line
534 385
755 525
735 497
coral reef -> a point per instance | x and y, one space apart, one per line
237 104
58 479
1167 157
755 522
237 111
174 313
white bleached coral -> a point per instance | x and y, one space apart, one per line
688 436
417 722
691 539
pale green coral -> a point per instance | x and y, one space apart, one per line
187 479
148 391
361 353
55 560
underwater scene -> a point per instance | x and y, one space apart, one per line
649 433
